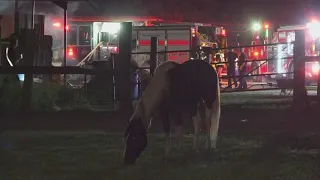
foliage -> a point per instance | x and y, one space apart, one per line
68 98
45 97
11 96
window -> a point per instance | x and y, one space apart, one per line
206 30
72 35
113 39
84 35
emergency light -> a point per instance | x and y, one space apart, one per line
315 68
314 29
58 25
256 27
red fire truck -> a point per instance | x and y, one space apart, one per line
286 34
85 34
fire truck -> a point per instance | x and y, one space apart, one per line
284 52
85 34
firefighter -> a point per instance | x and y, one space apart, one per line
242 69
231 69
219 66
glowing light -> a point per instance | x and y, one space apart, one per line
111 27
70 52
57 24
315 68
21 77
266 26
223 32
256 27
193 32
256 53
314 29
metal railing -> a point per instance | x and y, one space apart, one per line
239 77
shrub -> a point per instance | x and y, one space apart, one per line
45 97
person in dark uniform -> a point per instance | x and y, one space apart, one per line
242 69
231 71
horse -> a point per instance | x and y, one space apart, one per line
175 90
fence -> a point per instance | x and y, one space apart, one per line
238 77
283 81
107 75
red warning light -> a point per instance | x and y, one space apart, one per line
70 52
58 25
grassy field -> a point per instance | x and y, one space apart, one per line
260 138
96 155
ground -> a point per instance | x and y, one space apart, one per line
260 137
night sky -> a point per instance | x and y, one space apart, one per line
212 11
218 11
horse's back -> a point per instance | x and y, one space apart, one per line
157 89
192 81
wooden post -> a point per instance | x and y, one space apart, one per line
125 81
153 55
28 44
16 17
65 42
299 69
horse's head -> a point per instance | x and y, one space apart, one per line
136 140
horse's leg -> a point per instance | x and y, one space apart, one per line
168 145
163 115
208 126
196 123
215 119
179 135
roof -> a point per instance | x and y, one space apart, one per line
111 18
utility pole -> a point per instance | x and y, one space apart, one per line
16 16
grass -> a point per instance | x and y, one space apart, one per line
92 155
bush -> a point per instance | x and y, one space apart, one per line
71 99
10 97
45 97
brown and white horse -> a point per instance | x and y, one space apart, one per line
175 91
